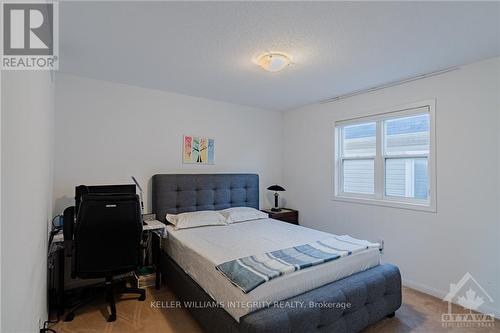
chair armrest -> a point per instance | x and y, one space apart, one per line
69 222
68 228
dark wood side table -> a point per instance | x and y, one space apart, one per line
285 215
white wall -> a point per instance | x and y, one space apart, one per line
498 191
27 129
106 132
431 249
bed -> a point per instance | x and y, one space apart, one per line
297 302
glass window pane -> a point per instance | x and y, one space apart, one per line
359 140
409 135
406 177
359 176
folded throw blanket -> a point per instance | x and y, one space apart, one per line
249 272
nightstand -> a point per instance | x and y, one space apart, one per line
285 215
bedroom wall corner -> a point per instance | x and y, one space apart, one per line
27 139
468 184
107 132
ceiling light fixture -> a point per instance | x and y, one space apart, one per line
274 61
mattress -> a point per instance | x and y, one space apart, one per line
199 250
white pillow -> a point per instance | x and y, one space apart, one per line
196 219
241 214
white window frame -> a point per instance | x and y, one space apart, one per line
379 197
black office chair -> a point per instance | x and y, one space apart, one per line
105 242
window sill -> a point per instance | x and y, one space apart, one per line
387 203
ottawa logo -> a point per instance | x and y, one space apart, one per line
471 296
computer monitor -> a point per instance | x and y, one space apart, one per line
101 189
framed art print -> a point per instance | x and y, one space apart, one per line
198 150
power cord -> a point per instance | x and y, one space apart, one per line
46 328
54 230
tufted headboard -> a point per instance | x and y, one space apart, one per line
179 193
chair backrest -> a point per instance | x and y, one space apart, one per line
107 237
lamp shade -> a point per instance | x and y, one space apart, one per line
276 188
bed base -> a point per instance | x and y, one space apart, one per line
373 295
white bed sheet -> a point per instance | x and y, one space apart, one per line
198 250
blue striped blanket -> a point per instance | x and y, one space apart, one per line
249 272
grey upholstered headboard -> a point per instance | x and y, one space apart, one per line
179 193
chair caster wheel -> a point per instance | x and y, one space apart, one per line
69 317
112 318
142 298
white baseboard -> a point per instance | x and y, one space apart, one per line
441 294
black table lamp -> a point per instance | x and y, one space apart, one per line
276 189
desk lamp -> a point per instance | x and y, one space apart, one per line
276 189
140 194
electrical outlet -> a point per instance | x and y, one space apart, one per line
40 324
381 247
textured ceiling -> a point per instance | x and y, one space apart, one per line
205 49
